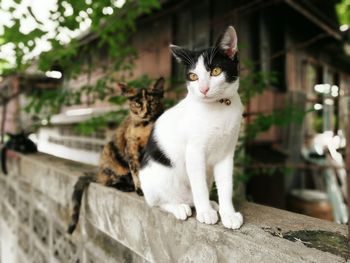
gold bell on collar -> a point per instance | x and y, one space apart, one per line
226 101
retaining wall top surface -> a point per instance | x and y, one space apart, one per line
157 236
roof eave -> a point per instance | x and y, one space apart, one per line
313 18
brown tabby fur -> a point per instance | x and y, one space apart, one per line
121 157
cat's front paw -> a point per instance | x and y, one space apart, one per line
182 211
209 216
231 220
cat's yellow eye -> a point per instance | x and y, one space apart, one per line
137 104
216 71
192 76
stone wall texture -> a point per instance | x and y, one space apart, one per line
119 227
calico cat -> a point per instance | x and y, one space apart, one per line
120 158
193 142
19 143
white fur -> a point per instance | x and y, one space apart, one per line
199 136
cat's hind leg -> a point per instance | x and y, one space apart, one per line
180 211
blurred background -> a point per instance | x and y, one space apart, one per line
60 62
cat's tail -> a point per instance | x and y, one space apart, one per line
79 188
3 160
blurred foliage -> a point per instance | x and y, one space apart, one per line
113 22
318 123
343 10
4 65
48 102
253 84
100 122
281 117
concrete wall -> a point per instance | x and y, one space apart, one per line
119 227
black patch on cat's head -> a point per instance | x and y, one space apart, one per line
185 56
145 103
229 66
224 55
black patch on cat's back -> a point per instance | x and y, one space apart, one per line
154 152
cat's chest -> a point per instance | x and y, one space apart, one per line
138 134
221 133
215 130
215 122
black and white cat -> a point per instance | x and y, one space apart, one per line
193 143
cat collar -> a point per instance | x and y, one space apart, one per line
226 101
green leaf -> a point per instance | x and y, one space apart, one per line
117 100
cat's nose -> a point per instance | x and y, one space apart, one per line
204 90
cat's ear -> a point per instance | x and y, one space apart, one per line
126 90
181 54
227 42
158 87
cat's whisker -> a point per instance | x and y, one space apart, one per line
189 60
214 51
212 54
